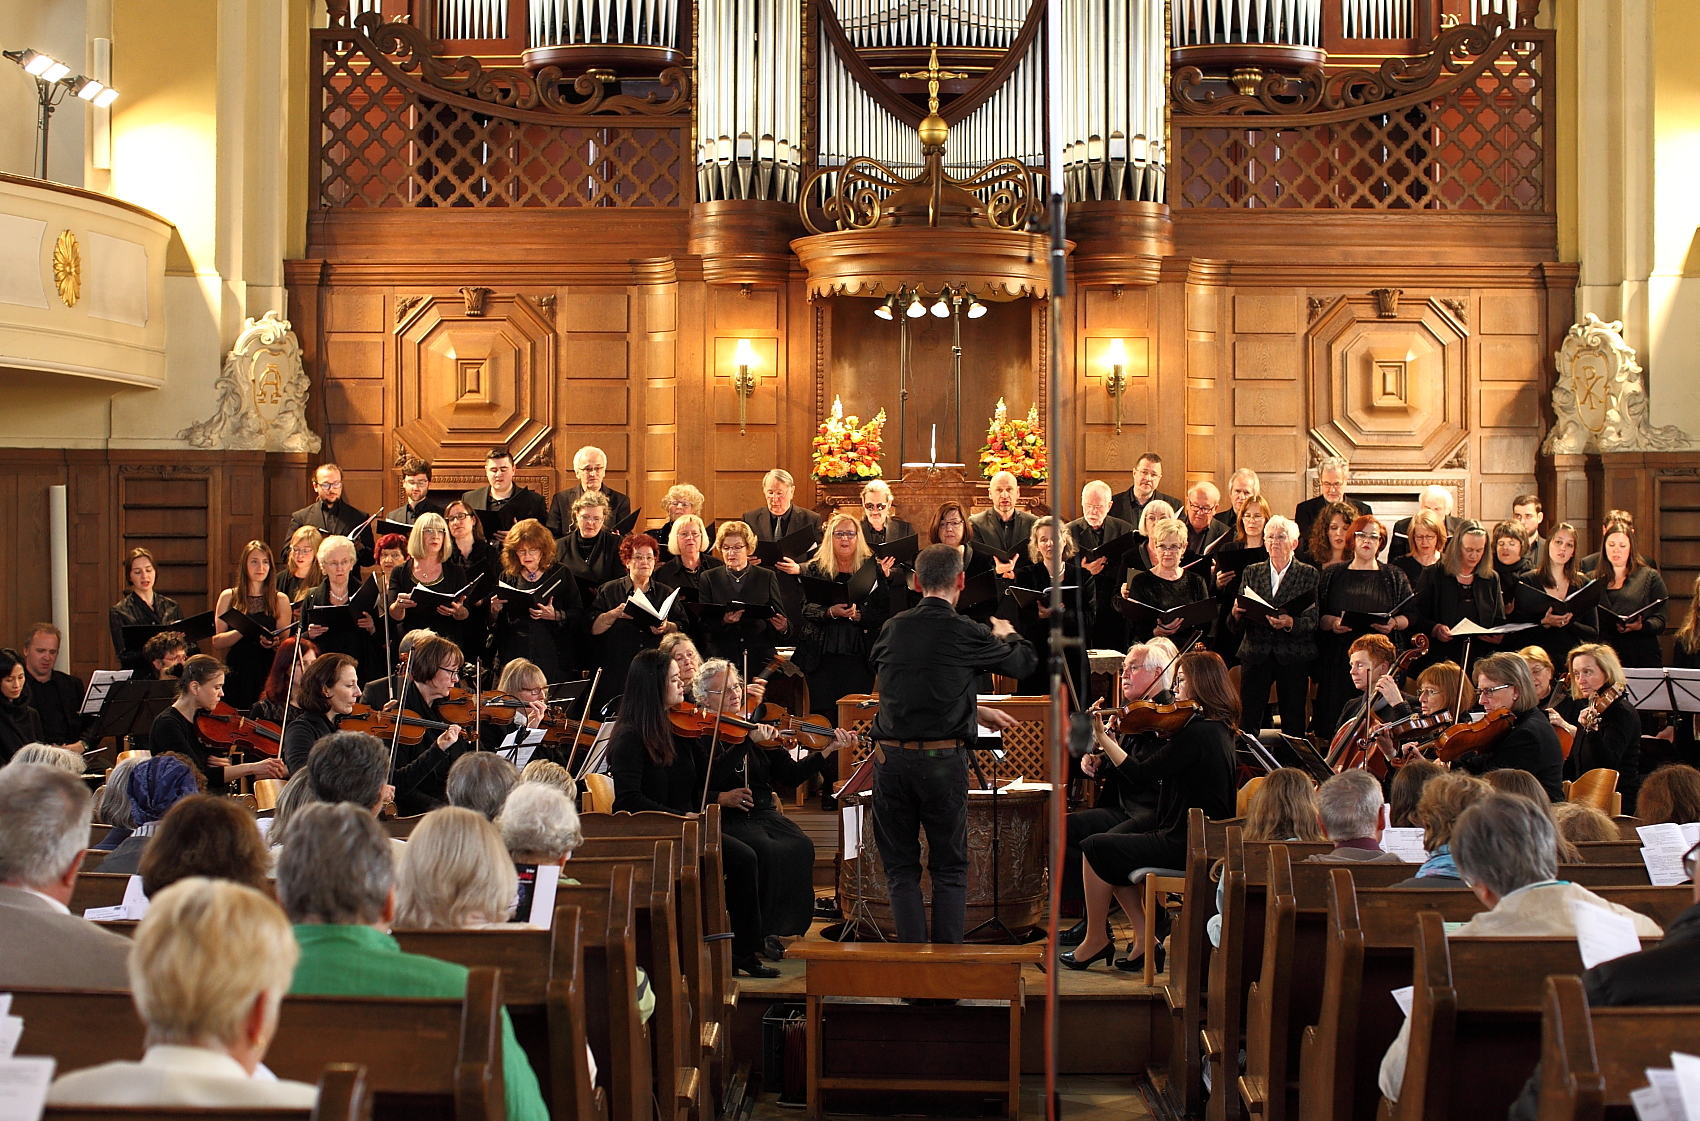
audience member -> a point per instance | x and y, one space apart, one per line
44 827
1407 792
210 837
1670 794
550 773
1354 815
454 874
1284 809
212 961
1525 785
539 825
1579 823
155 786
481 781
112 805
71 762
1444 799
295 793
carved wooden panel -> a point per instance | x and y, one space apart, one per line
1388 390
467 383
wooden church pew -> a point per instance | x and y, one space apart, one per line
343 1096
1591 1058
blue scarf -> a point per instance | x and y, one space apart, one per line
1439 863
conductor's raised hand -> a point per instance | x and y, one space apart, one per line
1002 627
994 718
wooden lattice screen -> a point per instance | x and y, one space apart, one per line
1462 128
399 127
1027 756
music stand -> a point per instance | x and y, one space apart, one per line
131 707
1291 751
1663 689
861 779
996 921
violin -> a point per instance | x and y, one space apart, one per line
1407 726
375 722
1482 735
1353 743
225 727
1136 717
695 720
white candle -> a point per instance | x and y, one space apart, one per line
935 455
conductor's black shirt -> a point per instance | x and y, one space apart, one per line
928 659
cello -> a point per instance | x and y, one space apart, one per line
1355 745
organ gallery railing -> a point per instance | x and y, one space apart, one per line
1463 127
397 126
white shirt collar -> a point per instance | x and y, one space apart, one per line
48 899
193 1060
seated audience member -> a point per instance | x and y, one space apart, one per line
155 786
1409 782
336 879
481 781
1353 816
44 827
1282 809
212 961
549 773
66 760
295 794
1670 794
350 767
112 806
1579 824
1525 785
454 874
1444 798
210 837
1505 847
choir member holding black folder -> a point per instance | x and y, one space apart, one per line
1354 599
503 502
1462 586
251 614
844 606
1168 601
1276 614
300 568
687 542
1026 603
979 598
739 603
469 550
331 515
1632 606
341 612
1234 553
631 614
590 551
1103 543
140 607
535 610
1558 598
433 592
879 524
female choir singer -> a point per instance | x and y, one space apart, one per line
952 527
1166 586
539 630
1427 539
301 573
833 645
337 559
732 636
1364 584
1555 578
140 607
429 566
199 690
1462 586
254 593
1330 536
681 501
625 629
1144 557
591 550
687 544
1632 608
1045 562
468 549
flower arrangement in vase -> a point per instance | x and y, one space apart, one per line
847 451
1016 446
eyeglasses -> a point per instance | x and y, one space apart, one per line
453 518
1170 548
1367 535
734 547
846 534
1206 508
331 486
1485 690
876 505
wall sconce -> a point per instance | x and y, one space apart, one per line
744 382
1116 382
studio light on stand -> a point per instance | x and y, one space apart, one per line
887 309
916 308
975 308
53 80
941 306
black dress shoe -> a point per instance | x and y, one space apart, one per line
1068 961
772 948
1131 964
753 967
1076 934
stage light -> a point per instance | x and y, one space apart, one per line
916 308
107 97
941 306
88 89
53 80
975 308
886 309
35 63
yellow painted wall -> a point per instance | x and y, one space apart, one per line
1672 357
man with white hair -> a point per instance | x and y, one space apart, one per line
44 828
1005 526
590 464
1094 528
211 964
1243 485
1277 649
1332 475
880 525
1437 500
1354 816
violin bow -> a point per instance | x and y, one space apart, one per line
572 749
401 707
714 740
478 704
294 664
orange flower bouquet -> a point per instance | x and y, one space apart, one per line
847 451
1016 446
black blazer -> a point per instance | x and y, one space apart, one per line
1307 511
1262 642
560 519
337 518
763 522
132 612
753 636
525 503
1635 648
1400 545
990 528
1531 746
896 529
1443 601
1213 532
57 700
1129 509
407 515
641 785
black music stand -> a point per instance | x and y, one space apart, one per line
996 921
1292 751
861 779
131 707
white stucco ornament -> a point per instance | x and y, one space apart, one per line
1599 399
262 394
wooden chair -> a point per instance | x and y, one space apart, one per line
343 1096
266 791
613 1026
1243 799
400 828
1596 788
543 991
97 889
598 794
1591 1058
1156 886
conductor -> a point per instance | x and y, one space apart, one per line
927 659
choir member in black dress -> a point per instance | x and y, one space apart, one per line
1247 529
1426 538
1166 586
623 629
1278 650
833 642
1513 559
951 527
254 593
733 636
1045 560
19 723
140 607
330 514
1503 682
340 585
880 524
1601 720
325 690
56 697
682 500
1196 768
416 486
1462 586
656 769
1093 529
469 550
1330 538
1436 501
1363 584
286 669
591 551
541 632
1589 565
429 565
300 566
742 781
590 465
1632 585
503 502
420 771
687 545
1555 577
1143 558
199 690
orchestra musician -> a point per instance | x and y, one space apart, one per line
590 465
301 573
200 689
624 630
1633 613
833 643
502 499
1369 660
140 607
1363 584
163 656
325 689
56 697
330 513
1503 683
1438 690
1278 650
1601 719
1094 529
253 592
1046 562
286 669
525 682
1462 586
732 636
1130 504
419 772
540 631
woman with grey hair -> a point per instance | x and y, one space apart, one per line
480 781
1462 586
681 501
113 806
539 825
454 874
64 758
1503 684
296 793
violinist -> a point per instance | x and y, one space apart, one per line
741 779
1437 692
655 768
625 629
1604 726
1368 661
1555 577
1503 684
420 771
524 682
832 648
1277 650
429 566
327 689
542 631
140 607
732 636
1362 584
337 555
1167 585
199 690
1047 561
254 593
1121 807
301 573
1196 768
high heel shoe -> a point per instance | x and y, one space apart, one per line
1068 961
1076 934
1131 964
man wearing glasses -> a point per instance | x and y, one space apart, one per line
1130 504
1090 531
879 525
1332 475
329 514
1202 528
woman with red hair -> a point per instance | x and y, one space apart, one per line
1355 599
622 626
276 694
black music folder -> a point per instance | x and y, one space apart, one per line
1365 620
196 628
799 546
1201 613
904 551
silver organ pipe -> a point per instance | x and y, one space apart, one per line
921 23
749 98
1378 19
556 23
1113 112
1480 8
467 19
1295 23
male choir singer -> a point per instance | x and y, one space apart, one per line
928 659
